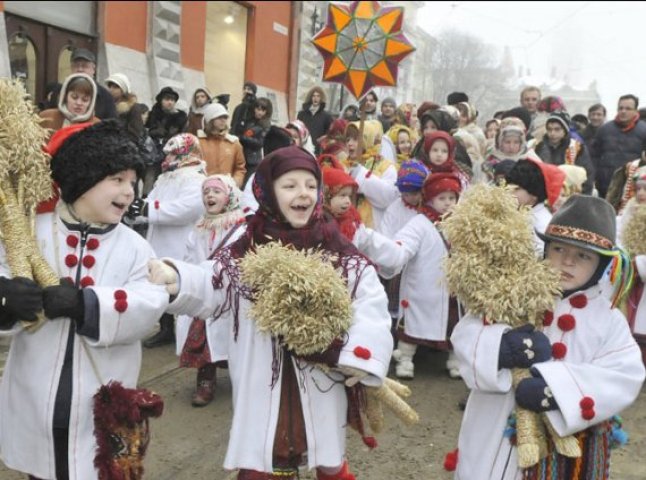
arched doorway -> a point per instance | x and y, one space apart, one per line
39 53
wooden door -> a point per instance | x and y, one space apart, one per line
40 53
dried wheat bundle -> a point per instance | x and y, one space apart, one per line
494 272
299 297
634 232
24 182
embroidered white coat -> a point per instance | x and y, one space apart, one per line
423 292
31 376
174 205
255 402
602 362
199 247
541 217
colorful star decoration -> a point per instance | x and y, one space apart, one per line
362 45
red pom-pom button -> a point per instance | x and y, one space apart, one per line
72 241
92 244
69 280
87 282
559 350
121 306
398 242
362 352
156 204
371 442
71 260
566 322
404 303
369 173
588 413
548 318
586 403
579 301
89 261
451 461
246 210
120 294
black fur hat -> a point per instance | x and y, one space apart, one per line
277 137
527 175
522 113
88 156
454 98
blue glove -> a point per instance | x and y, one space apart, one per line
522 347
534 394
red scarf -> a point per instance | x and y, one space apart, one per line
429 212
349 222
628 126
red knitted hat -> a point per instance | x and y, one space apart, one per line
335 179
431 138
554 178
437 183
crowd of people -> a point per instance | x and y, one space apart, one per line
371 188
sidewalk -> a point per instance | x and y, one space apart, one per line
4 350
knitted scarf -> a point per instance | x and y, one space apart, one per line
627 126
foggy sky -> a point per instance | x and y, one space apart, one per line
580 41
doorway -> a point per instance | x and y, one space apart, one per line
40 53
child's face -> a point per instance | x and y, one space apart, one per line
444 202
108 200
412 198
555 132
77 102
115 91
576 265
510 145
296 194
260 112
294 134
168 103
404 144
341 202
215 199
201 98
429 127
439 152
640 192
353 145
525 199
492 130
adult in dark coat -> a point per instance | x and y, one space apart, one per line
618 142
314 116
596 118
84 61
244 111
558 147
164 122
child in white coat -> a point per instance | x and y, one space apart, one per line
426 309
171 209
591 371
203 344
97 315
283 407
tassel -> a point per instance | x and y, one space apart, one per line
621 272
371 442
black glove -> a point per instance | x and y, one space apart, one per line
64 300
534 394
137 208
20 299
522 347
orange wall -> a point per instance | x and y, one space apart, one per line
126 24
267 60
193 33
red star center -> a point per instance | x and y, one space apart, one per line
359 43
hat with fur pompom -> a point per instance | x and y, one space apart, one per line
89 155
